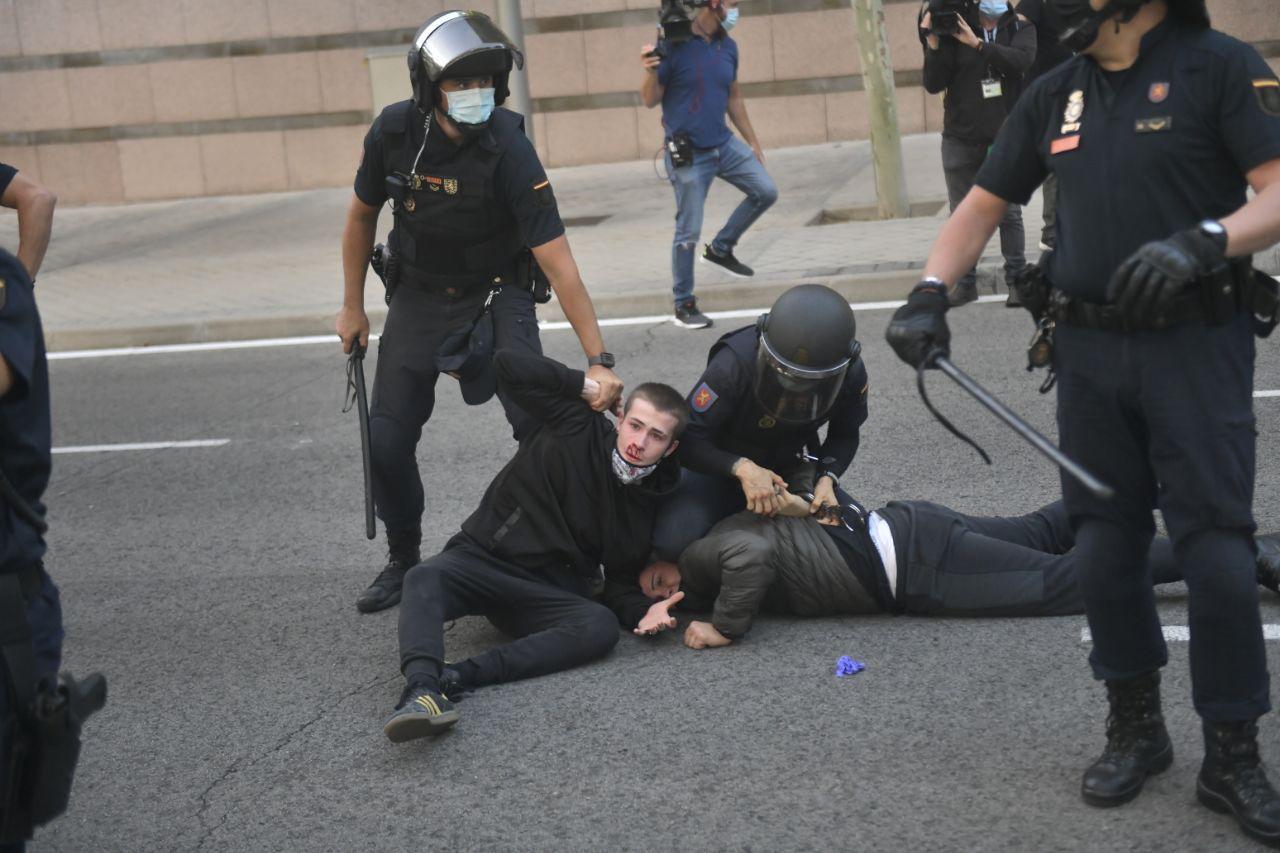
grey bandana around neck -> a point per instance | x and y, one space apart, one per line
628 473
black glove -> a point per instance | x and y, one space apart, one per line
1145 285
919 328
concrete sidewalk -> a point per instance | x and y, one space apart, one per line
270 265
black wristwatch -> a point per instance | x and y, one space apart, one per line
604 359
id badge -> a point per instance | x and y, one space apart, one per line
991 89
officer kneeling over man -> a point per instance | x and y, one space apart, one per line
1157 130
909 557
579 494
468 195
757 408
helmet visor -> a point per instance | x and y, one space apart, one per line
792 393
459 35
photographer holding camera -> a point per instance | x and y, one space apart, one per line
978 53
693 73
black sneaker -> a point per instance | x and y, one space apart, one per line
688 315
421 712
385 590
727 261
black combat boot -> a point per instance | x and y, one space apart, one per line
1137 743
384 592
1269 561
1232 780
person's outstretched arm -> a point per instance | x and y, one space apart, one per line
34 203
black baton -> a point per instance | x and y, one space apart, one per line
1029 433
355 368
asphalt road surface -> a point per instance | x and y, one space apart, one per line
215 586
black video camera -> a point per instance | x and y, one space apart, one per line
945 15
675 20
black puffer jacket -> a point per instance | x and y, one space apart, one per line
749 563
557 509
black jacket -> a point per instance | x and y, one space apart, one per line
556 509
749 563
959 71
733 424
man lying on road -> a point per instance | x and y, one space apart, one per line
579 494
910 557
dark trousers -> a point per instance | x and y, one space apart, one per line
699 501
952 564
555 628
960 164
404 389
1166 418
44 618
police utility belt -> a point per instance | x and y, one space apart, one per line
393 272
1213 299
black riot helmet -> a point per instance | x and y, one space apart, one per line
807 342
460 44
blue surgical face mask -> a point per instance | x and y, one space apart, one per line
471 106
730 19
993 8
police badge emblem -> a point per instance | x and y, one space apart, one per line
1158 93
451 186
1074 111
767 422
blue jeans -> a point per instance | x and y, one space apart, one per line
44 617
735 162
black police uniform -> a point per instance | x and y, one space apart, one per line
727 422
458 234
1164 415
25 450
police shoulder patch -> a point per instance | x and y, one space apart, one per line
703 398
1268 92
543 194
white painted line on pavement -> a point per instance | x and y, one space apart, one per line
1266 393
205 347
146 445
546 326
1182 633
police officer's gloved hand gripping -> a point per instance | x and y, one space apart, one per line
1146 284
918 330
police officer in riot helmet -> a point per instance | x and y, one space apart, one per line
756 413
1150 305
477 237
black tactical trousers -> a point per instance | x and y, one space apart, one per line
1166 418
555 628
952 564
404 388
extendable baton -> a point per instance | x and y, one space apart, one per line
355 380
1029 433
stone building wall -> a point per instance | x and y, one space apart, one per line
126 100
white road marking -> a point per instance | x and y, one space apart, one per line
1182 633
1266 393
146 445
546 326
